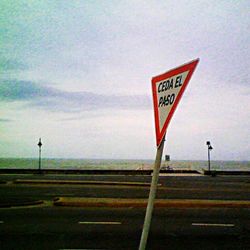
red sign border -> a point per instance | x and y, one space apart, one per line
190 66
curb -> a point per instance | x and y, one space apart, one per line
92 172
21 204
142 203
72 182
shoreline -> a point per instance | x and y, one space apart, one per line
122 164
118 172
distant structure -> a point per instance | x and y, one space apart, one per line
167 157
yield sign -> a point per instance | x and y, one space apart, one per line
168 89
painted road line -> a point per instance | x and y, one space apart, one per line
212 225
100 222
82 249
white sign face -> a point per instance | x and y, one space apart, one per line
167 91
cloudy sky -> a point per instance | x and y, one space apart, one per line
78 74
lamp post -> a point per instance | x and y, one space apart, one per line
209 148
40 149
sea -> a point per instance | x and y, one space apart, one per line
114 164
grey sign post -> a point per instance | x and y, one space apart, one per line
152 195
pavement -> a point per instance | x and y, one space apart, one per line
53 227
19 202
107 212
27 201
112 202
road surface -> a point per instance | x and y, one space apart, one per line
46 226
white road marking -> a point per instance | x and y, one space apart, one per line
100 222
212 225
82 249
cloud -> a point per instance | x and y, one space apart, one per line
10 64
5 120
52 99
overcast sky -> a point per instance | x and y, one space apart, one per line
78 75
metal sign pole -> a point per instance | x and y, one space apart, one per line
152 194
39 159
39 145
208 160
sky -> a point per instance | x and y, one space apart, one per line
78 75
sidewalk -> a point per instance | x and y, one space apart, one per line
142 203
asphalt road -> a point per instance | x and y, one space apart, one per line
46 226
80 228
171 187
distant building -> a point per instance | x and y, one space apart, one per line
167 157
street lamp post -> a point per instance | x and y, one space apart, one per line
209 148
40 149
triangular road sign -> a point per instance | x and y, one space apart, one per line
168 89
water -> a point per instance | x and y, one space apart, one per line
31 163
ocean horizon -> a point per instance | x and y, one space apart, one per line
119 164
